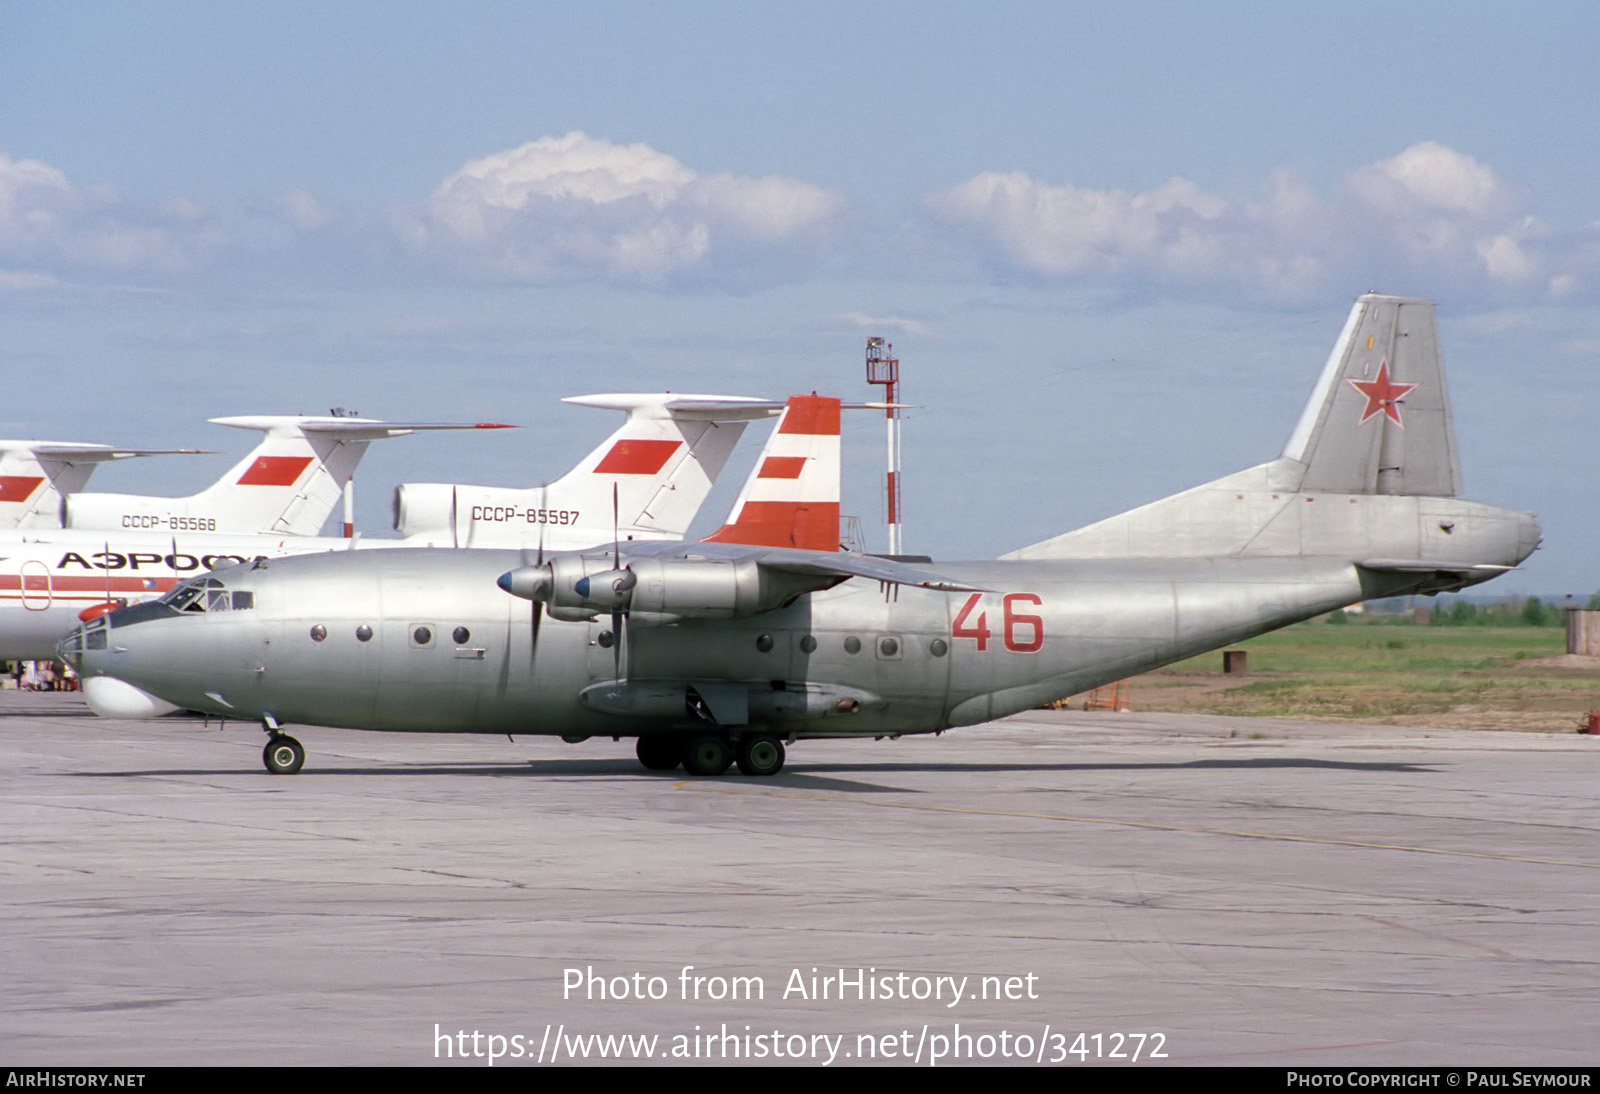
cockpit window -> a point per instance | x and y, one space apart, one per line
208 595
181 597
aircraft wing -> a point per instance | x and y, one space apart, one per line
670 581
845 564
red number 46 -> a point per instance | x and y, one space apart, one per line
966 627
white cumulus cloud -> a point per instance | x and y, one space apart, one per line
1430 217
1431 176
576 207
48 221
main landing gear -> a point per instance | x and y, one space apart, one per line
712 753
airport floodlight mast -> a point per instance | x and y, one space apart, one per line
884 368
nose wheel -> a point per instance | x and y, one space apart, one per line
283 755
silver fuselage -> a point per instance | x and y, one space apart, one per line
853 660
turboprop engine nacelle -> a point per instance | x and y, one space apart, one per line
576 588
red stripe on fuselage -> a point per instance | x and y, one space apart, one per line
62 583
275 471
637 457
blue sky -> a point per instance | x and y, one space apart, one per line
1111 243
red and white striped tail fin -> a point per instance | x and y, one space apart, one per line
792 496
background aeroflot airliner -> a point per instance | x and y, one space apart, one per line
287 485
646 481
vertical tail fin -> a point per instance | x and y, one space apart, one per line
1364 472
791 498
1379 419
35 476
659 466
288 485
664 461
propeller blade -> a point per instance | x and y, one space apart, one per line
538 605
544 507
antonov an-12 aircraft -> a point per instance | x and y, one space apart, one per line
713 652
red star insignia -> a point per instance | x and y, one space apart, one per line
1382 395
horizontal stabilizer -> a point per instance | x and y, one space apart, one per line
360 429
1419 566
68 452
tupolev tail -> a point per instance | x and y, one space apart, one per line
644 482
36 476
288 485
791 498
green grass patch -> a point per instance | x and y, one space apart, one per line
1318 648
1370 672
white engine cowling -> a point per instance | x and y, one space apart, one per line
426 509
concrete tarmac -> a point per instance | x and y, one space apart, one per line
1236 891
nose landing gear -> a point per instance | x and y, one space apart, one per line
283 755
